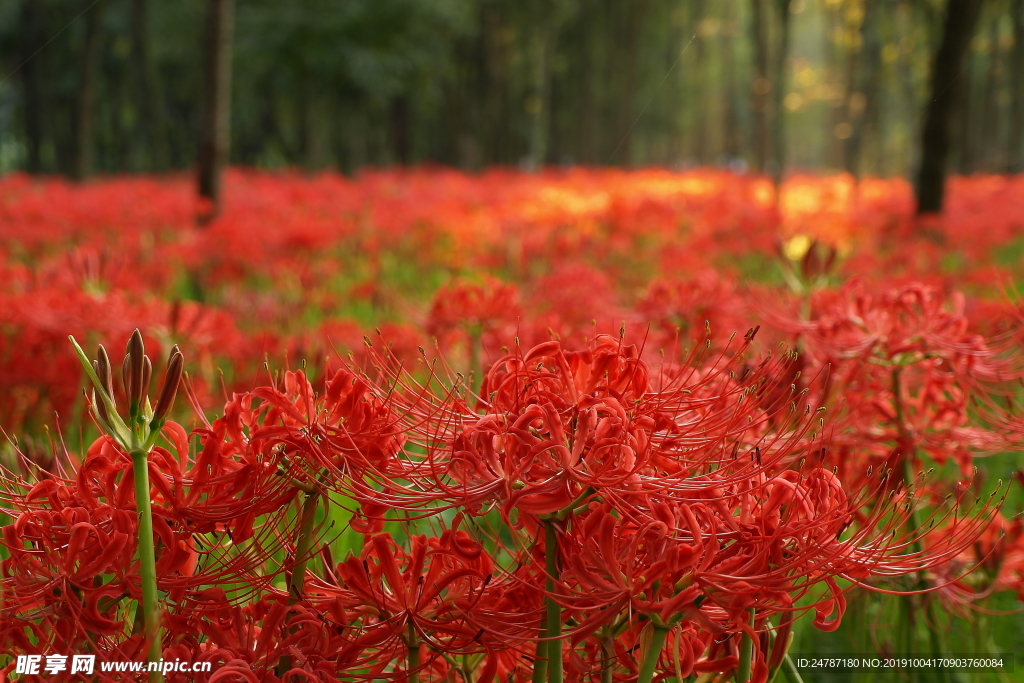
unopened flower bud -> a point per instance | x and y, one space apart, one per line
147 373
136 354
126 375
103 371
101 407
172 378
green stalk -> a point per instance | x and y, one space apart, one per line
298 578
650 660
547 664
297 581
913 522
414 656
147 559
554 626
608 662
746 652
475 367
789 668
540 661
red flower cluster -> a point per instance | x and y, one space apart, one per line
590 514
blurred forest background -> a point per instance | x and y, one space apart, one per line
112 86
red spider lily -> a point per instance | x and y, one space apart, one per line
402 600
73 544
557 424
699 536
682 310
485 314
575 302
910 371
914 320
669 496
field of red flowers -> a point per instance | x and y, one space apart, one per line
584 425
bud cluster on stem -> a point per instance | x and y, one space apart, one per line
137 436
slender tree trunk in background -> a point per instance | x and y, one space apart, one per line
215 124
621 134
678 94
990 142
399 130
761 87
731 134
779 90
537 105
85 103
961 16
151 125
588 125
1015 159
495 109
963 116
905 76
861 87
852 97
700 87
316 132
863 91
834 23
31 78
552 14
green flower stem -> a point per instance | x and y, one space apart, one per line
913 521
475 366
547 664
297 580
413 643
608 660
147 558
540 661
554 626
789 668
746 652
305 542
650 660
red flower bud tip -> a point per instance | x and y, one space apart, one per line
136 354
101 408
172 378
103 371
126 375
147 374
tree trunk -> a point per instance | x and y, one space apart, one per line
731 134
316 132
215 126
834 23
990 141
699 81
866 128
1015 159
863 90
625 118
778 117
85 103
961 16
399 129
151 126
965 125
31 78
761 87
538 102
